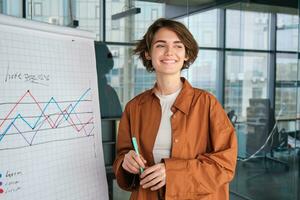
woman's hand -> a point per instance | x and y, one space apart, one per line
133 162
154 177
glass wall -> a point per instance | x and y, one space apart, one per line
245 79
248 59
247 30
11 7
203 73
261 87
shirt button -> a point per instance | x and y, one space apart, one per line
174 116
176 140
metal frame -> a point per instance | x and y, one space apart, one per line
24 9
221 57
272 64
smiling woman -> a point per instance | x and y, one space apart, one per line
187 145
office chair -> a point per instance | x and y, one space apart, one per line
232 117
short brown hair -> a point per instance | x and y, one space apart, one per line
185 36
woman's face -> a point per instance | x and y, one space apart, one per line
167 53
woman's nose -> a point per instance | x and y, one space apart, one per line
169 51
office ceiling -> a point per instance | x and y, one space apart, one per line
188 2
268 8
282 3
277 6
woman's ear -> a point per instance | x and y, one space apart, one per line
148 57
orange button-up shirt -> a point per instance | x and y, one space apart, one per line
204 146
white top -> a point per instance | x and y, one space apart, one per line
163 142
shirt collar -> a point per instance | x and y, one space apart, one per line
183 101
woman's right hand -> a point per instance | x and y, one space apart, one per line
133 162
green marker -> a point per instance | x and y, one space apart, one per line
136 149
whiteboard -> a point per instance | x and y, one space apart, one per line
50 135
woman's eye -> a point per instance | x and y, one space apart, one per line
160 45
179 46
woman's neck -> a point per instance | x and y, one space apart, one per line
168 85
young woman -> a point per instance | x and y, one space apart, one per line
187 145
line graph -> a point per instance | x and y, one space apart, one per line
21 128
